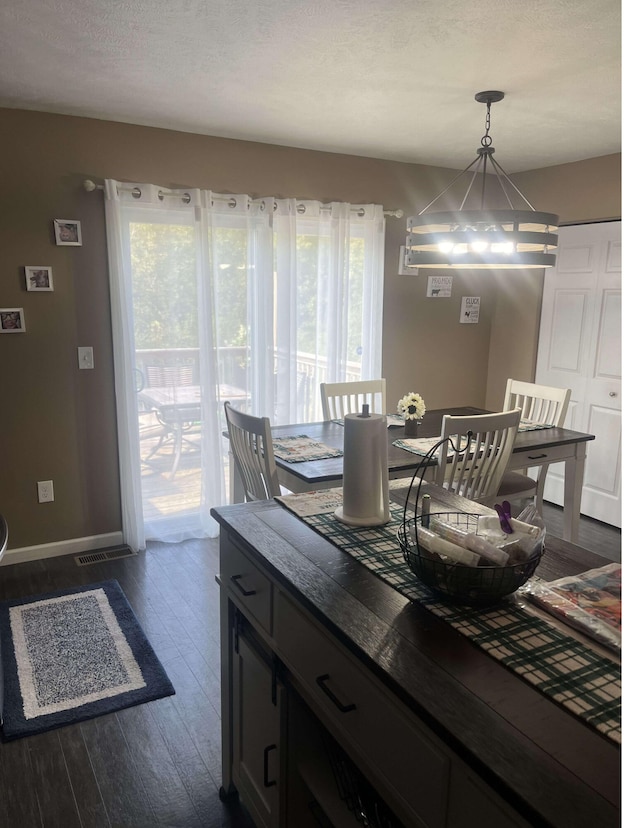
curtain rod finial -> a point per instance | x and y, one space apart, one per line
90 185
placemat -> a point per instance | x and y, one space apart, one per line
532 425
583 681
419 445
422 445
300 448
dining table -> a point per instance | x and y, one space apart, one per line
532 448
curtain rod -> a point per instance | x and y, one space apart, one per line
90 186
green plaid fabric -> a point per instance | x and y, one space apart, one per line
580 679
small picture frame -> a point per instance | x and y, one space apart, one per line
38 277
68 232
12 320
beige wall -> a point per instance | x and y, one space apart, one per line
57 422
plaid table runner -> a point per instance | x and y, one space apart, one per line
299 448
580 679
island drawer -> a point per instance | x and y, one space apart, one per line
252 591
395 748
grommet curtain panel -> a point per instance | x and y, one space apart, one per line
253 300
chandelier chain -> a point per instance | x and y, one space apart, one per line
486 139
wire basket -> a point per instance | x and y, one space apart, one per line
457 582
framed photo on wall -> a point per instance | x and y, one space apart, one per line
12 320
38 277
68 232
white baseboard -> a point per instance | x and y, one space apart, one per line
75 546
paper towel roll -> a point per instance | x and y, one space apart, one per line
365 487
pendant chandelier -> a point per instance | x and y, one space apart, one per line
488 237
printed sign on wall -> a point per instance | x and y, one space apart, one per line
439 286
470 310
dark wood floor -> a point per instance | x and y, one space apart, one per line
599 537
155 764
158 763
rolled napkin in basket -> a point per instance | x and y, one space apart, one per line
520 544
437 545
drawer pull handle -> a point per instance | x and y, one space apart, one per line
268 783
245 592
536 456
343 708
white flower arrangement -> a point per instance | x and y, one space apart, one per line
412 407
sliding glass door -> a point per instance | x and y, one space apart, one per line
219 298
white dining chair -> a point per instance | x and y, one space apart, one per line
340 398
473 460
252 450
539 404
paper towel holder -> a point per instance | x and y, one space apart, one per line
365 480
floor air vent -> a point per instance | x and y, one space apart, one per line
104 555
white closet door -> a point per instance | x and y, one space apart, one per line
580 348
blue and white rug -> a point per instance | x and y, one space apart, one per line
71 655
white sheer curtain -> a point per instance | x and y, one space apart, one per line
264 298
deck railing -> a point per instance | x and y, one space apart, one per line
233 365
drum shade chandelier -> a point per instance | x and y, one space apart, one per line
487 237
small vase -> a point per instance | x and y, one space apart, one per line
410 428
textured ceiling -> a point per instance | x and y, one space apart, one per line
392 79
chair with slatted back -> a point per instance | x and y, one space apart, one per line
540 404
252 450
340 398
474 466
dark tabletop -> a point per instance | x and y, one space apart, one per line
332 434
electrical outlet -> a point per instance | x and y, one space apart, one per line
45 491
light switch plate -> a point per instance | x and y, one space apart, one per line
85 357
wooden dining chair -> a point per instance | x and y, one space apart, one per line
539 404
474 466
340 398
252 450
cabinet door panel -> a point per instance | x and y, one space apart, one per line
256 728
